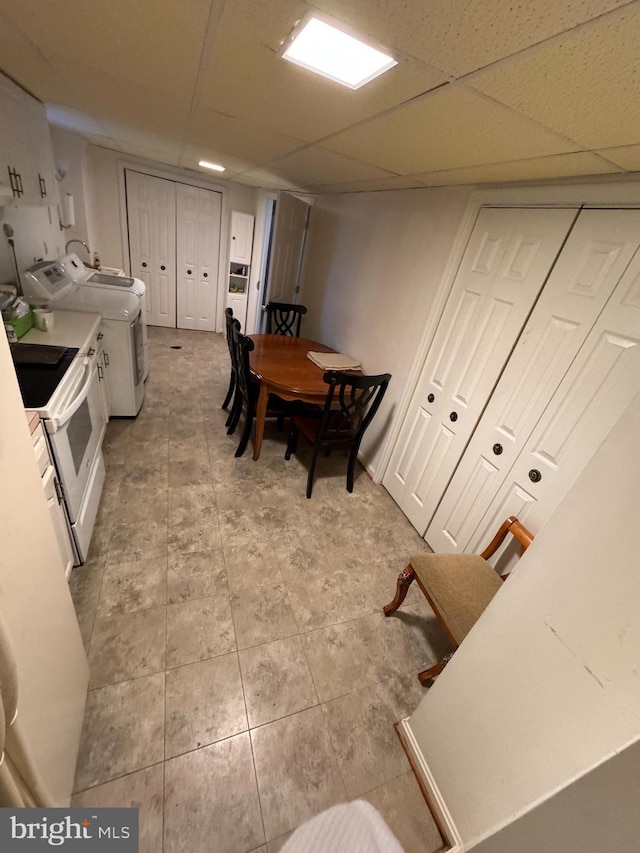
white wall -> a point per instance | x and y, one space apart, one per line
71 156
37 237
372 266
545 688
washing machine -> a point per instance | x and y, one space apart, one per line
123 327
103 279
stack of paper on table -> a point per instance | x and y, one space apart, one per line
333 361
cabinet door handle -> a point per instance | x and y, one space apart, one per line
205 274
188 272
100 336
453 416
100 373
43 186
105 358
90 352
144 264
431 398
163 268
534 475
21 188
497 449
11 180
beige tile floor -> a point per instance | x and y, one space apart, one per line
243 677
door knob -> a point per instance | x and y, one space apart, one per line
163 268
534 475
431 397
453 416
497 449
144 263
188 272
205 274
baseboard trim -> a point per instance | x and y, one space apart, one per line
429 788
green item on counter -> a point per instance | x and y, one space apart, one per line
20 325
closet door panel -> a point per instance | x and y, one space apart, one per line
591 264
152 240
503 269
208 242
186 256
602 381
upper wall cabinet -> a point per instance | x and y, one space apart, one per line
27 171
241 237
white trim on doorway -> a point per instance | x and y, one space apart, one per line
597 194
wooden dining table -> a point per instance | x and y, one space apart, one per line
280 365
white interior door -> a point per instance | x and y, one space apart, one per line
600 384
292 215
151 211
197 254
590 266
505 265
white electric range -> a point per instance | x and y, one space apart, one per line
59 376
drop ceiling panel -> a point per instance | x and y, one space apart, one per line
271 179
153 43
245 77
584 85
627 157
557 166
118 99
237 136
459 36
451 128
328 167
397 182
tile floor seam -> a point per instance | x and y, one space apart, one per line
122 776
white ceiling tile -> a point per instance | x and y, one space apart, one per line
319 164
539 168
237 136
452 127
458 36
245 77
627 157
583 85
152 43
397 182
271 179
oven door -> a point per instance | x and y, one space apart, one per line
76 431
137 329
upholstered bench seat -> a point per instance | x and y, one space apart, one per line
459 585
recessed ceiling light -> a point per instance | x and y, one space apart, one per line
215 166
334 54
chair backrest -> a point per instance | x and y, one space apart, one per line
351 404
228 319
242 346
284 318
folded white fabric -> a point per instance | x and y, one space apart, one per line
333 361
354 827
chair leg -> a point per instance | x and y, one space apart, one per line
246 434
234 415
312 469
353 456
232 385
292 442
405 579
432 671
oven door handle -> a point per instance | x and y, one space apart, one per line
79 399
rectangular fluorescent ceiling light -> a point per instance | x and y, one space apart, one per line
332 53
214 166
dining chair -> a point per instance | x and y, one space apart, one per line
458 587
284 318
247 391
228 318
352 401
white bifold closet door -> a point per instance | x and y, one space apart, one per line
569 380
198 252
174 247
151 211
506 263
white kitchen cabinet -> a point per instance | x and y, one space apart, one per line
52 493
240 249
26 153
241 244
